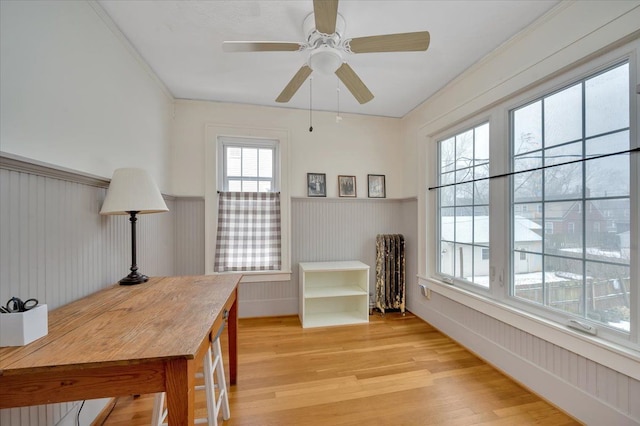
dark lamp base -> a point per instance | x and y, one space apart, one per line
134 278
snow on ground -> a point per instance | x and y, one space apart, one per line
530 278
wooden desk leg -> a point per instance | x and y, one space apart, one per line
180 392
233 343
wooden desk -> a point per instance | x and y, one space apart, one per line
125 340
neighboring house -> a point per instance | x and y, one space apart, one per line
462 254
563 221
617 213
528 238
464 246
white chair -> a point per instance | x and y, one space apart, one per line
212 365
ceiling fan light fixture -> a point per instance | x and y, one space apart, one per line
325 60
324 30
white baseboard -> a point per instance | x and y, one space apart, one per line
577 403
267 308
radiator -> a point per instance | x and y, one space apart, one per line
390 272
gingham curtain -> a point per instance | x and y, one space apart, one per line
248 231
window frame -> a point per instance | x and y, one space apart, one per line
604 348
567 79
548 227
460 129
214 133
226 142
486 253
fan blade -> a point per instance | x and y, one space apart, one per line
351 80
401 42
325 12
294 84
260 46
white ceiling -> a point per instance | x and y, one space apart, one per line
182 42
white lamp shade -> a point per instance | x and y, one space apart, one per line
132 190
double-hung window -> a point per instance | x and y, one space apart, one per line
464 206
566 198
248 165
248 236
570 182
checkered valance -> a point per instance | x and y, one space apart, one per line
248 231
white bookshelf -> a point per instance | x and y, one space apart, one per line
333 293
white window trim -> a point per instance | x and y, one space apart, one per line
226 141
618 357
476 121
559 82
213 134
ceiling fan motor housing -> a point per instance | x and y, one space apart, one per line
315 38
309 29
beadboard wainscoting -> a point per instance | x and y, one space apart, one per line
189 236
330 229
56 247
591 392
322 229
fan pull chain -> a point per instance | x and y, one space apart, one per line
338 118
310 103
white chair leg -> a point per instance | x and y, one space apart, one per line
209 388
223 398
213 364
159 413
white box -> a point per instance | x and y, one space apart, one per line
21 328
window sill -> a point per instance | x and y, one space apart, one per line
617 357
260 276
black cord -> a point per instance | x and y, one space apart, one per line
310 104
581 160
113 405
78 415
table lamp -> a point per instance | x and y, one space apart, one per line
132 192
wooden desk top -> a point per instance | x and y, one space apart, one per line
125 325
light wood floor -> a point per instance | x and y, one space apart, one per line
393 371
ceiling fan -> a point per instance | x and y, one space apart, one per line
327 47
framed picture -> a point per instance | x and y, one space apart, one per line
377 187
346 186
316 185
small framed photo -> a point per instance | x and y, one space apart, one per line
316 185
346 186
377 187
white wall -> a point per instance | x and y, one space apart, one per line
74 95
359 145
